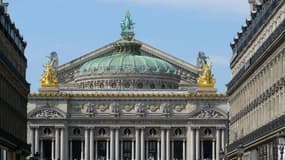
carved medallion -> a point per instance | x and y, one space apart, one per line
153 108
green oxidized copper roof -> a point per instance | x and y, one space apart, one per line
127 57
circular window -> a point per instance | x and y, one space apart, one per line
207 132
127 131
102 132
114 85
47 131
76 131
152 132
178 132
152 86
140 85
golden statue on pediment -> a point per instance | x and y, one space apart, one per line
206 78
49 78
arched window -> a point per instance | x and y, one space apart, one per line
127 131
152 132
178 132
102 132
76 131
47 131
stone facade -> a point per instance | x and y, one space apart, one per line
14 90
256 91
161 115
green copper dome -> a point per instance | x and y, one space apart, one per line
127 63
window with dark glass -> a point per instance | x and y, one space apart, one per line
127 150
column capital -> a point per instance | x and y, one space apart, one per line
220 127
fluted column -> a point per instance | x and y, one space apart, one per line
112 144
37 140
117 150
190 143
197 144
183 150
223 139
62 143
91 143
158 150
107 150
133 150
167 144
137 144
52 149
142 145
32 141
57 143
86 144
162 144
82 150
217 143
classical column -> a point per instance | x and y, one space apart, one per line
213 149
158 150
62 148
167 144
82 150
162 144
66 139
183 150
86 144
70 150
52 149
197 144
91 143
117 153
37 140
223 139
217 143
142 145
202 149
137 144
42 149
32 141
107 150
146 149
190 143
57 143
133 150
111 143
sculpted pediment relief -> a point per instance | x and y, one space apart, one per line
47 113
208 114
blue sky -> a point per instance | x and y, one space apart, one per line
179 27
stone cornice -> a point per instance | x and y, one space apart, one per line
122 95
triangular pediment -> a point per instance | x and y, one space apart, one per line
46 113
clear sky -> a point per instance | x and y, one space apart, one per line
181 28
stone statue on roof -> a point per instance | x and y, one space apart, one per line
127 27
202 59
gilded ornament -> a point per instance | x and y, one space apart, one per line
206 79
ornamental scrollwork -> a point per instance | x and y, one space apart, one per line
179 108
102 107
153 108
47 113
129 107
208 114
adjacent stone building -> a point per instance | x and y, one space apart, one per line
127 101
256 91
14 90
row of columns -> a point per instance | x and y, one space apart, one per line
60 144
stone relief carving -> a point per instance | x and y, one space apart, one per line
47 113
88 108
165 107
102 107
129 107
153 108
179 108
115 108
140 108
208 114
